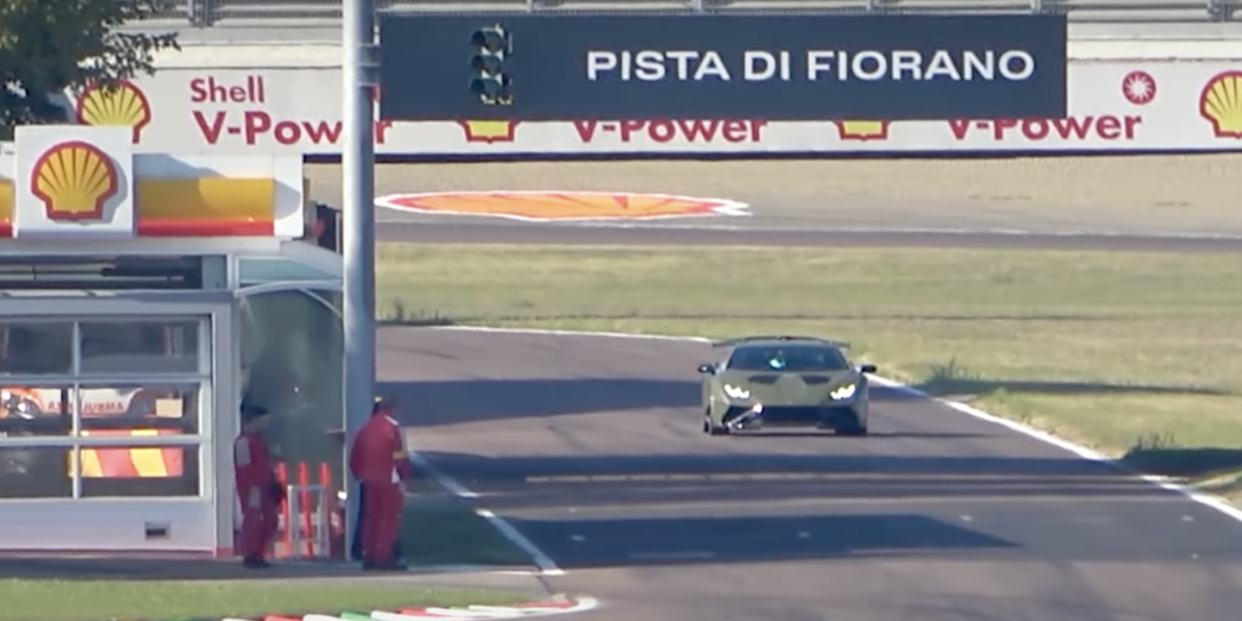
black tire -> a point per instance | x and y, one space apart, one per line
711 429
852 431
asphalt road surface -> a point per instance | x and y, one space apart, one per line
591 447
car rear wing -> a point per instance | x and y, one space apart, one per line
790 338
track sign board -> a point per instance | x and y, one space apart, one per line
498 66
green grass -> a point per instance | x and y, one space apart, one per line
1136 354
448 532
436 531
57 600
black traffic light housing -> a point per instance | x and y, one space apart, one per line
491 78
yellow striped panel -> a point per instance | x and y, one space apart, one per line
91 468
207 199
6 201
207 206
149 462
144 462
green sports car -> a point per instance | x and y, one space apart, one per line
784 381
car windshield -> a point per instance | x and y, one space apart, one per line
793 358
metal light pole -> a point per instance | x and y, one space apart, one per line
359 70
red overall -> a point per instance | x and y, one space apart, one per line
256 482
379 461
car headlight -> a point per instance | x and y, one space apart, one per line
736 392
844 392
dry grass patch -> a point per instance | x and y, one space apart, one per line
1152 193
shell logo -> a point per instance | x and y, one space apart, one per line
74 180
489 131
125 106
562 206
1220 104
1138 88
862 130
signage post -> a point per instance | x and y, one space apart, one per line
358 179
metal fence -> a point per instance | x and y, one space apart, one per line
204 13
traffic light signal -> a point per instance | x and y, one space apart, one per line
491 81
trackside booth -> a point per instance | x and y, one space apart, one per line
142 298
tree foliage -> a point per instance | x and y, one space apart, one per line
48 46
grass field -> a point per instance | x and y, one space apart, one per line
70 600
437 531
1138 355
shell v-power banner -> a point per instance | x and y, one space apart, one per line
484 87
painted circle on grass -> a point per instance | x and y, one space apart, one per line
554 206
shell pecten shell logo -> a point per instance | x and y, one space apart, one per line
489 131
125 105
561 206
1221 104
74 180
862 130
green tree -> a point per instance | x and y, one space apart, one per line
47 46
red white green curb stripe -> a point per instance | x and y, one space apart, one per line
556 606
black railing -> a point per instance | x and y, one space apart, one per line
293 13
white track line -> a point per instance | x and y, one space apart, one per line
1081 451
521 611
545 564
1207 500
610 335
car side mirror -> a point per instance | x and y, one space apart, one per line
868 368
707 369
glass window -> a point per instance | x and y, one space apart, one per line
255 270
292 364
794 359
334 298
140 347
35 473
33 348
167 409
35 410
137 470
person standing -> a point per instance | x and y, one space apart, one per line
258 488
355 550
380 462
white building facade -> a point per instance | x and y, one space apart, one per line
143 297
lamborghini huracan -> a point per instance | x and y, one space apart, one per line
784 381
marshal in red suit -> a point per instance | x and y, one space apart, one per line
378 459
258 489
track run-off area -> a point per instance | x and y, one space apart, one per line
586 448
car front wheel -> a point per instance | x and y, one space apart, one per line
711 428
852 430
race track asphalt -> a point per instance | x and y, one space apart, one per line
591 447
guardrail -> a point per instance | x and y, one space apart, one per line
205 13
